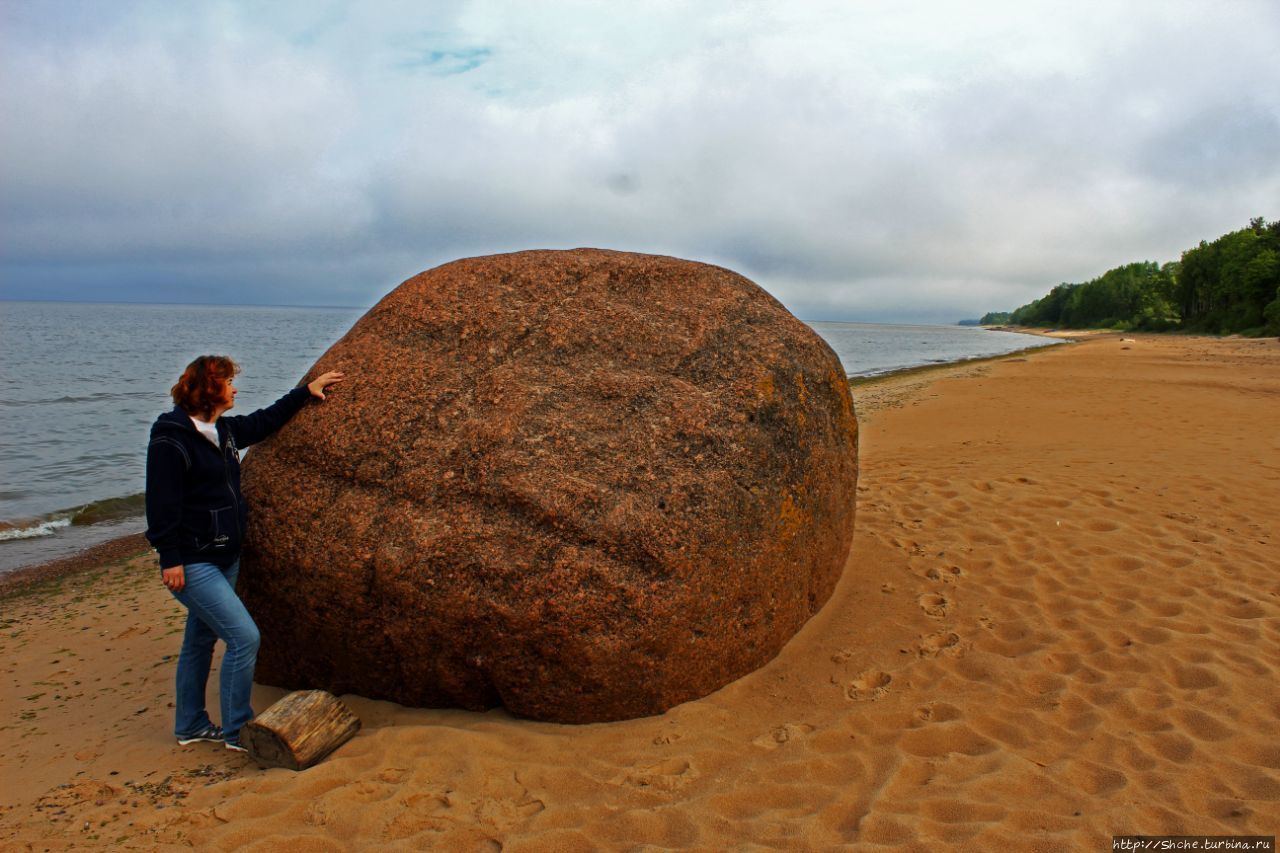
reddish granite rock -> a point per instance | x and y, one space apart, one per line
585 485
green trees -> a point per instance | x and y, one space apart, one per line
1229 285
1048 310
1272 315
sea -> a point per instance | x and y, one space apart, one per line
81 383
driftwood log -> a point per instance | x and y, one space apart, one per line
299 730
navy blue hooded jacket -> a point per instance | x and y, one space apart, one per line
195 512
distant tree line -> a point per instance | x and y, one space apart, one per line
1229 286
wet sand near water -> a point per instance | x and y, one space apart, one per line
1060 621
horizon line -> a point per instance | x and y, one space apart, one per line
367 307
194 304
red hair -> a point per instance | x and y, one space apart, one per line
203 385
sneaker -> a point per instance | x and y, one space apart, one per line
234 746
211 733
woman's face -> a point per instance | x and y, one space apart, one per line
228 396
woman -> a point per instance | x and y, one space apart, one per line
196 521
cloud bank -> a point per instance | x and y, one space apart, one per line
908 162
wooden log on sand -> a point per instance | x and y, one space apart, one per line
299 730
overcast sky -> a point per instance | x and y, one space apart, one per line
867 161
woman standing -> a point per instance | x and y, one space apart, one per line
196 520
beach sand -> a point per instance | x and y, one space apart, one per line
1060 621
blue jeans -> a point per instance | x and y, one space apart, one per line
215 612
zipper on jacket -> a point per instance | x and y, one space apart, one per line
235 501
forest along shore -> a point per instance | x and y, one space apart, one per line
1060 605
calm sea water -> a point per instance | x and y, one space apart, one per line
80 385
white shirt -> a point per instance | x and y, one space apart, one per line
208 430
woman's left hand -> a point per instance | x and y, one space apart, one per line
323 381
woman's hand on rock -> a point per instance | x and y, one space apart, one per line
323 381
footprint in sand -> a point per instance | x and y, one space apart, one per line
422 812
69 794
934 604
946 575
783 734
936 644
869 686
669 775
937 712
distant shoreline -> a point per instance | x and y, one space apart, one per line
871 379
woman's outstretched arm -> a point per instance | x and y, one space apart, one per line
252 428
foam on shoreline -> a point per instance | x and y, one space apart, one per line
64 533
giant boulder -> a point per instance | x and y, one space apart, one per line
584 485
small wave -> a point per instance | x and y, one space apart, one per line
99 397
110 509
44 528
107 511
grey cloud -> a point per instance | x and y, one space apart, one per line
1220 145
291 156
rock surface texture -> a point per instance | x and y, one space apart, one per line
584 485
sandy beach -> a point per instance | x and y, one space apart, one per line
1060 621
